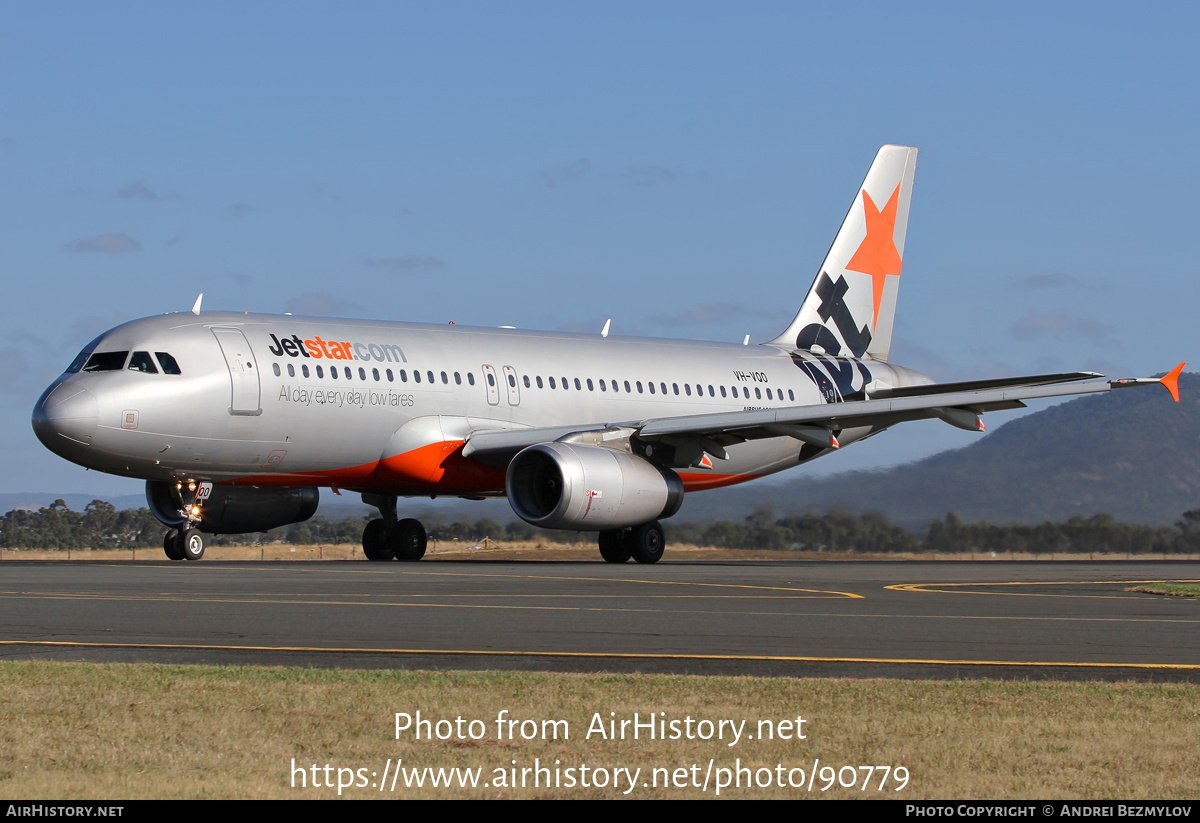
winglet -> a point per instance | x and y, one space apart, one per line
1171 381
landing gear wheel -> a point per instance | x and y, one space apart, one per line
613 549
647 542
191 544
171 545
408 540
375 541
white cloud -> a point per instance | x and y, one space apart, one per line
105 244
567 174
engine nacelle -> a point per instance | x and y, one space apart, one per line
569 486
237 509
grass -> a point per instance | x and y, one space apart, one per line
1172 589
118 731
565 548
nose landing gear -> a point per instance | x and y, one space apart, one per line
186 542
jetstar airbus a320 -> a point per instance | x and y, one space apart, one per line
236 420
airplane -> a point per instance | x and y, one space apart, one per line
236 420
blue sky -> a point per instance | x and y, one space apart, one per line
679 167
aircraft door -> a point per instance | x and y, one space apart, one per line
514 391
243 372
489 382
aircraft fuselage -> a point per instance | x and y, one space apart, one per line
297 401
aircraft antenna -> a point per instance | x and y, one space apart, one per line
196 305
746 340
607 324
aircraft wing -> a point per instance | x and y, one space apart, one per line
959 404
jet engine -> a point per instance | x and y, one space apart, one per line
236 509
571 486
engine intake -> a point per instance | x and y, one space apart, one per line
569 486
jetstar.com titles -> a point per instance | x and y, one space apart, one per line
336 349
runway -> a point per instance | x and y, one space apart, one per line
1036 620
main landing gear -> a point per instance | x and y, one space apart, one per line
644 543
388 538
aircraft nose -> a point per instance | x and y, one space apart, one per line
65 418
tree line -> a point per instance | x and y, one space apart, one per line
102 526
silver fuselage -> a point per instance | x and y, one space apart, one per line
255 401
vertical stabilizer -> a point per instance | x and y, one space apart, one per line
851 305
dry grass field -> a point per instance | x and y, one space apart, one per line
86 731
543 549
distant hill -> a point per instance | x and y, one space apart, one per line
1132 453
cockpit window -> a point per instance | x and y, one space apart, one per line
83 356
141 362
106 361
169 366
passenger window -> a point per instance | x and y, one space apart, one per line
578 387
362 374
675 388
169 366
791 396
512 382
552 384
291 370
445 379
687 389
651 384
539 381
348 374
627 389
458 379
274 368
491 379
602 388
416 376
106 361
711 393
639 385
526 378
320 372
746 392
565 384
769 397
589 384
429 374
304 370
391 378
404 376
723 391
471 378
757 393
663 386
141 362
375 374
332 372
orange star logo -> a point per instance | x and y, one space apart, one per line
877 254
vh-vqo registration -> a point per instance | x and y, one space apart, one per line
236 420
